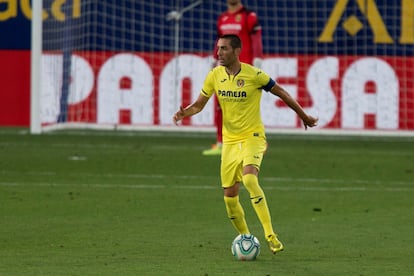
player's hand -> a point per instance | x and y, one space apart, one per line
178 116
310 121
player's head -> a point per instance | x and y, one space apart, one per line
235 41
229 48
233 2
233 5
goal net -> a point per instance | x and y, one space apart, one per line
131 64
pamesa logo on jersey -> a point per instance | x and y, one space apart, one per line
232 94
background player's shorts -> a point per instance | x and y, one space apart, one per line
235 156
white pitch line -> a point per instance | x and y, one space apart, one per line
210 187
338 181
276 180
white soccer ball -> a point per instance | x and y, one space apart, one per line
245 247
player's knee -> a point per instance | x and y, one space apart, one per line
232 191
251 183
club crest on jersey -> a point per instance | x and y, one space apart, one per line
240 83
238 18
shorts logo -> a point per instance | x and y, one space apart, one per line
240 83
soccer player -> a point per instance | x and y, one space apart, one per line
240 21
238 87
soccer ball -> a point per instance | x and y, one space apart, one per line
245 247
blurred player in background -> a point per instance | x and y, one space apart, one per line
238 87
244 23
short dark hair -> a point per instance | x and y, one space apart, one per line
235 41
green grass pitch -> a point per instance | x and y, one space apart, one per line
147 203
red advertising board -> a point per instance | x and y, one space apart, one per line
342 90
15 88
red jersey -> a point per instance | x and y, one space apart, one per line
245 24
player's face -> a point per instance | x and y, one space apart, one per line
225 53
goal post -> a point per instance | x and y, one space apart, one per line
131 64
35 68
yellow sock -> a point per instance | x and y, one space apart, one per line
235 213
259 203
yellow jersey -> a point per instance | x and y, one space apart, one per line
239 97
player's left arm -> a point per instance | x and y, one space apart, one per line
308 120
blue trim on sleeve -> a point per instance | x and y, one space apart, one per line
269 85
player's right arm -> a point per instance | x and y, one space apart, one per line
198 105
192 109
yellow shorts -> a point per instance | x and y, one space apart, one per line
235 156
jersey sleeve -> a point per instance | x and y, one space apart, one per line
265 81
208 86
253 22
